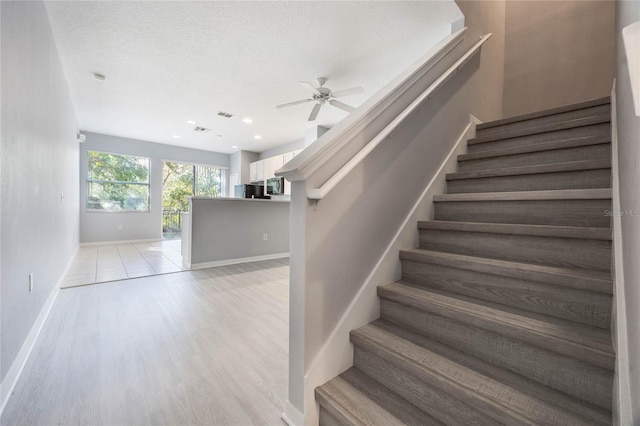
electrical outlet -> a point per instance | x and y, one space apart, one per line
265 237
30 282
119 227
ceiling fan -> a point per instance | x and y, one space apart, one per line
323 95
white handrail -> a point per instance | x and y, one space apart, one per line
332 182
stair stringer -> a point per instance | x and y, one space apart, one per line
336 354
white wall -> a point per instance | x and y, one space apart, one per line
224 229
282 149
484 17
629 176
557 53
103 226
39 162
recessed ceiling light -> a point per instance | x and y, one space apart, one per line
234 147
176 136
247 120
99 76
257 137
191 122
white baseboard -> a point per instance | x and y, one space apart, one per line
238 260
336 355
13 374
110 243
292 416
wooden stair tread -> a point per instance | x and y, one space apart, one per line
538 114
546 146
361 400
485 393
530 170
582 342
545 128
519 229
592 414
562 194
574 278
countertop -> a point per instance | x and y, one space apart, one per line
250 200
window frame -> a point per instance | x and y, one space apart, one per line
89 181
224 175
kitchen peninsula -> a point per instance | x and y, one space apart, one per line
224 231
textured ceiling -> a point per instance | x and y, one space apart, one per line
169 62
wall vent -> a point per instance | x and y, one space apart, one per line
201 129
225 114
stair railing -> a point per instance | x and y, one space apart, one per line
333 181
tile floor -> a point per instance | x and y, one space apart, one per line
95 264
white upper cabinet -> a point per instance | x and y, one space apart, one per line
265 169
274 164
260 175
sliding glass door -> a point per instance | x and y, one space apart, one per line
181 181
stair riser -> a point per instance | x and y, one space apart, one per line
562 252
596 130
589 213
427 393
563 373
584 307
589 152
549 119
327 419
581 179
551 277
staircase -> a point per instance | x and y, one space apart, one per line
502 314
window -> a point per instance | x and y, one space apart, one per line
117 182
208 181
181 181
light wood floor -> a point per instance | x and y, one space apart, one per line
95 264
194 347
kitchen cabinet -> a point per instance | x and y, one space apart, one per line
253 171
256 171
266 168
274 163
260 175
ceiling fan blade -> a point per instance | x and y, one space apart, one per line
341 105
303 101
308 85
314 112
347 92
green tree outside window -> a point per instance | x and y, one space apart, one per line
117 182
